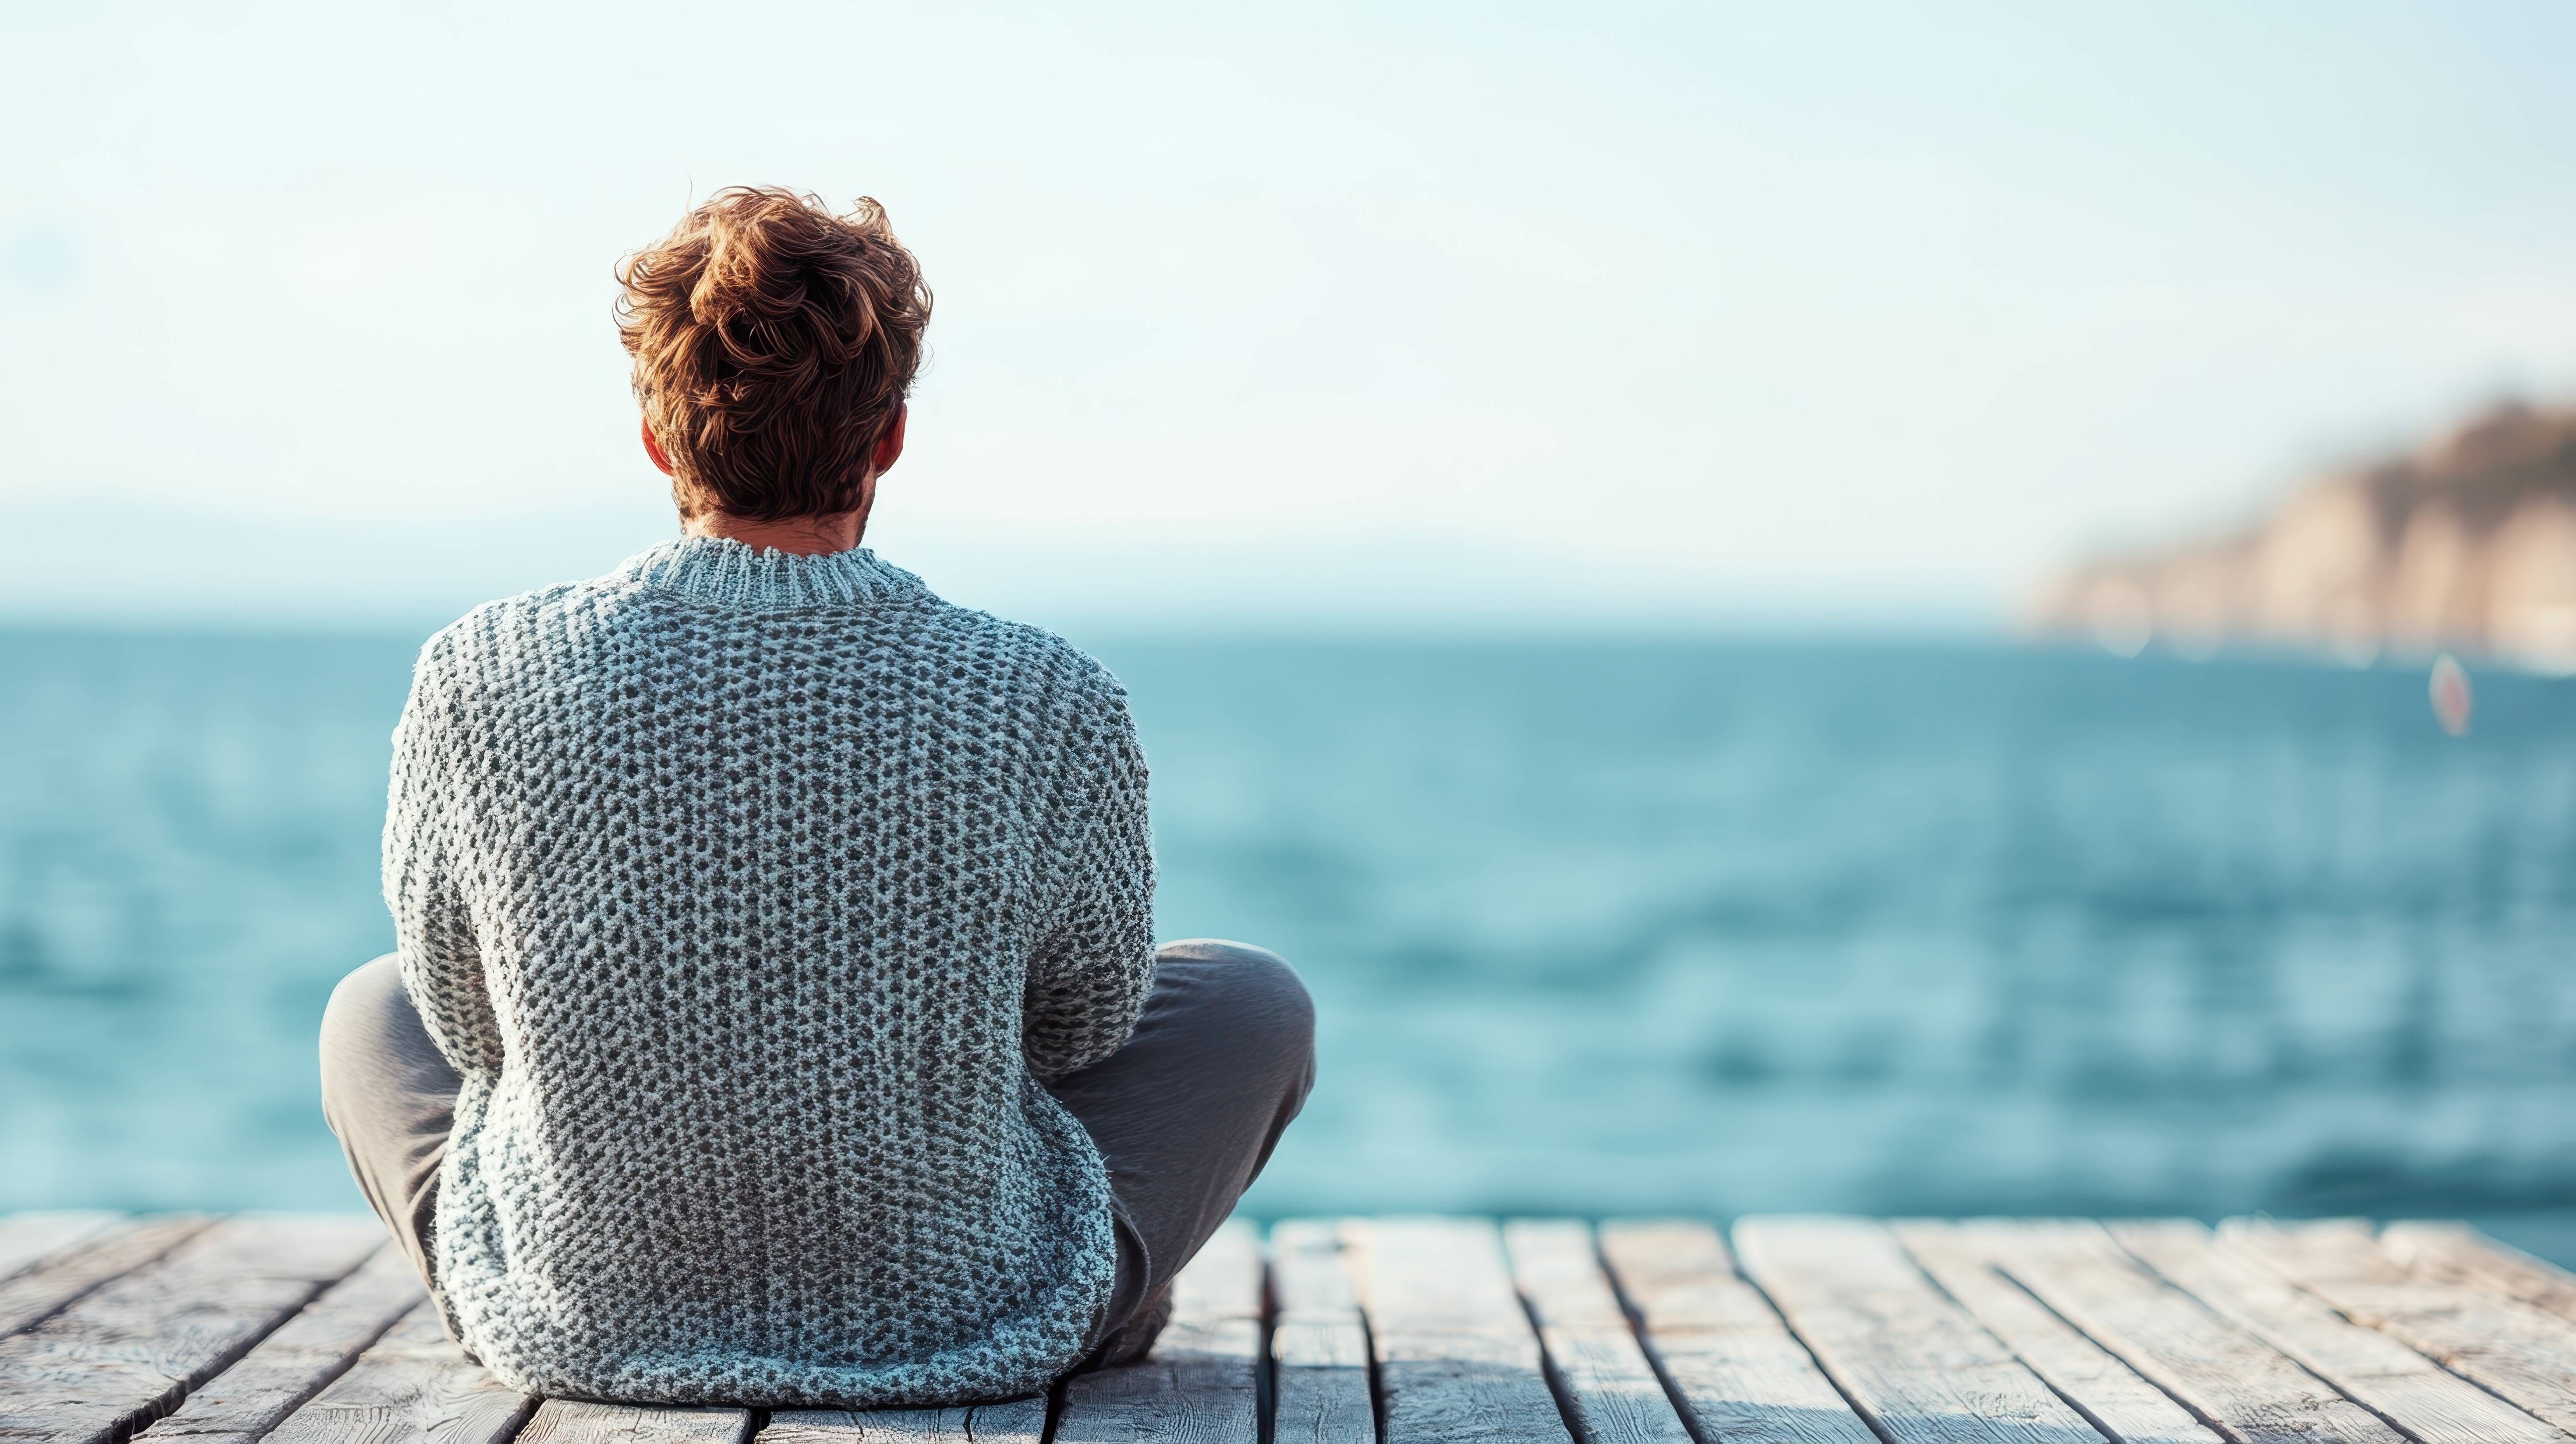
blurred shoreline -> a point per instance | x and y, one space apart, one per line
2466 544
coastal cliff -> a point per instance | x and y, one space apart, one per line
2466 545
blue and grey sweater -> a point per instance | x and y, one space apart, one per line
755 896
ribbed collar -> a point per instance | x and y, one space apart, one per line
727 573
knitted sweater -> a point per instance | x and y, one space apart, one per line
754 896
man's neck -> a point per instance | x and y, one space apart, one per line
804 536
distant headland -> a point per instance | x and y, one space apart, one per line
2466 545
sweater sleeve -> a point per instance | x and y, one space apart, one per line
1094 963
442 967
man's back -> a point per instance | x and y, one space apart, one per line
752 895
774 1017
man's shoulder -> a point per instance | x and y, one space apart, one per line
488 623
1031 654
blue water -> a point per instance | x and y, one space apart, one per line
1709 927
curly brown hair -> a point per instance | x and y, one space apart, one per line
774 342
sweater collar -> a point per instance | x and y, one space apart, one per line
725 572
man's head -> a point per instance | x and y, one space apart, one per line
774 343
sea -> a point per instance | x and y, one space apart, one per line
1594 926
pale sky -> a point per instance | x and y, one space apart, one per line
1298 315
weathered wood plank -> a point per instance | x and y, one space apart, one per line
1019 1421
2400 1385
1015 1421
1318 1344
1225 1280
308 1351
1912 1360
2509 1347
2455 1253
1456 1356
1202 1381
28 1239
1559 1275
1601 1369
36 1292
2237 1382
1738 1369
1320 1392
866 1426
1310 1270
578 1421
124 1354
2114 1396
413 1386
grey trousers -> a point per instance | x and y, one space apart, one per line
1186 1114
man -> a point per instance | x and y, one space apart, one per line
775 1017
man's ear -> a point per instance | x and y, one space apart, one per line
890 445
653 449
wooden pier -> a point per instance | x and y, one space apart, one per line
310 1330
